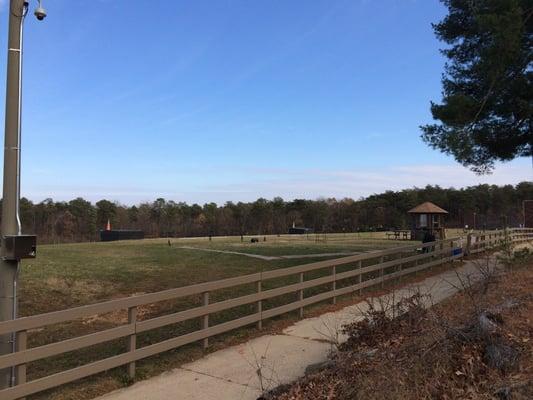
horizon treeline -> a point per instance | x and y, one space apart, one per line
488 206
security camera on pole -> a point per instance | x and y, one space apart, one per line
15 246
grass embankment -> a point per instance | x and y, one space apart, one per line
65 276
476 345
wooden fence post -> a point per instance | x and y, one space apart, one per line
259 306
132 339
205 318
382 271
360 266
452 251
441 253
400 266
468 244
431 256
334 284
301 295
506 237
21 345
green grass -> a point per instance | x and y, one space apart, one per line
70 275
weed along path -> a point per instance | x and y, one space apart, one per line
270 258
248 370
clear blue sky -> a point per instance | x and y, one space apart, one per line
231 100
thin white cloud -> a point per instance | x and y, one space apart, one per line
292 183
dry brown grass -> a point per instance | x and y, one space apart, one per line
424 358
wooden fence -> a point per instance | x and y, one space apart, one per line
357 272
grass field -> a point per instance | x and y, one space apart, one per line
69 275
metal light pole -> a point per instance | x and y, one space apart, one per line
11 226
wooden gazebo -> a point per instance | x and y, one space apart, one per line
427 217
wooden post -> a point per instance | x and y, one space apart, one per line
21 345
468 244
132 339
506 237
441 253
334 284
301 295
382 272
259 307
451 250
360 266
416 265
399 269
205 318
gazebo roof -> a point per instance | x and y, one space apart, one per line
427 208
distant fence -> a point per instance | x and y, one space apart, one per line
342 275
120 234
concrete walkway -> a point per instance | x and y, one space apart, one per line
245 371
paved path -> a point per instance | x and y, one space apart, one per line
244 371
270 258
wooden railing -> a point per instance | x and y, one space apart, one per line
485 240
343 276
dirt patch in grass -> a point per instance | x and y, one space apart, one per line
81 288
439 354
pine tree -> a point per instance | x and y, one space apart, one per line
485 113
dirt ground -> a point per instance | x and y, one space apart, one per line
442 353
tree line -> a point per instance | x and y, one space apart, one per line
487 206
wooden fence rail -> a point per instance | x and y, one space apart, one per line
368 269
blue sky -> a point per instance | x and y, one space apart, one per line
232 100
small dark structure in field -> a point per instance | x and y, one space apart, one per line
299 230
427 217
120 234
